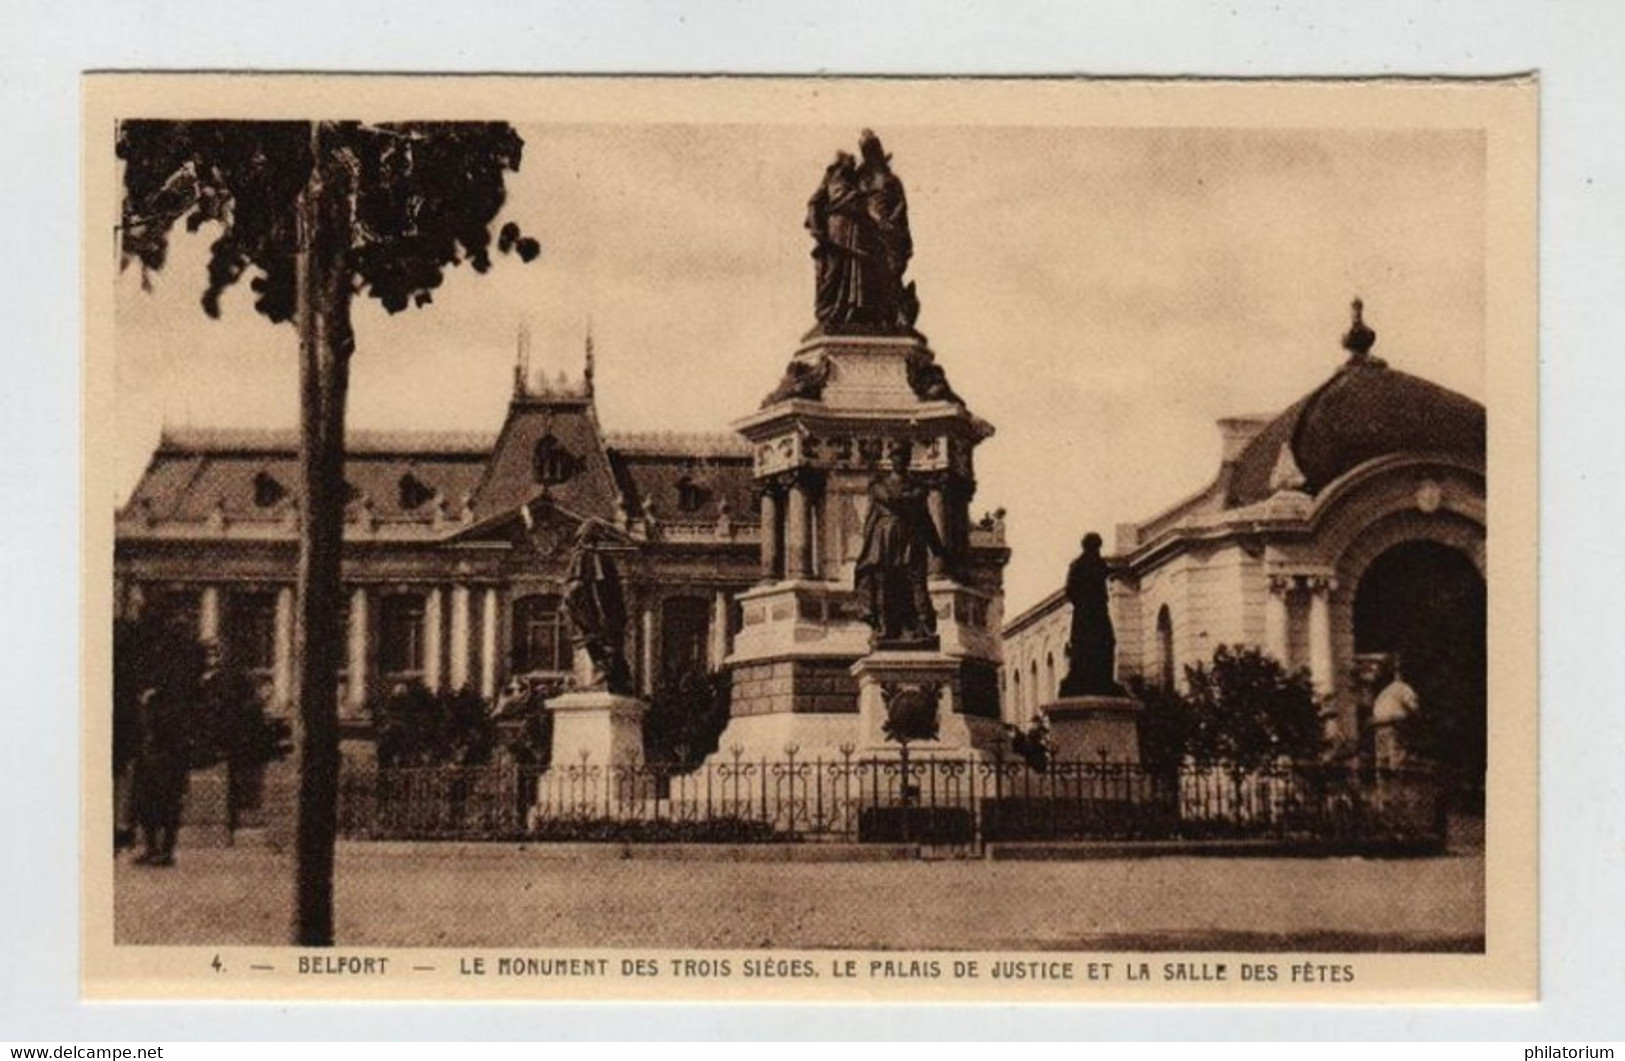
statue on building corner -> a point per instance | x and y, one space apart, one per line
899 537
1094 644
596 608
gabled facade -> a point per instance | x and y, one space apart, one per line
455 546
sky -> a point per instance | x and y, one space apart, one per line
1100 295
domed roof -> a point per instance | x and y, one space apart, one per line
1365 411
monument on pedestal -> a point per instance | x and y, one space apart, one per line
598 721
874 583
1094 719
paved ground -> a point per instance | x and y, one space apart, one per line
420 895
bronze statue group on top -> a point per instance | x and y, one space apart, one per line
859 222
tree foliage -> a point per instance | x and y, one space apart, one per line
686 717
153 651
159 651
1246 710
1034 745
417 727
1165 727
425 196
316 214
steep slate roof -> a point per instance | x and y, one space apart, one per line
196 472
652 467
510 476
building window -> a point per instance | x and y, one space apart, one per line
552 463
268 492
1033 691
541 640
685 634
178 609
1165 648
251 640
414 492
691 496
401 635
1015 695
1049 675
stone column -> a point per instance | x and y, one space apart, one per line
459 637
938 506
770 534
1275 618
1320 633
208 614
358 647
648 633
719 630
488 644
282 672
432 640
798 531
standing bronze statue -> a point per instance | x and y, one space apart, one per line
899 537
1092 671
858 217
596 608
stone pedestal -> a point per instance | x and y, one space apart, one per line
892 676
802 659
598 727
1095 728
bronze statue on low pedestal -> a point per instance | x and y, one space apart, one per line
1092 671
596 609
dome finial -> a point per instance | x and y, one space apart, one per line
1359 339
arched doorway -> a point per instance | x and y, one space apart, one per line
1424 602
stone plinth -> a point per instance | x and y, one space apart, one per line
887 675
600 727
1092 728
797 663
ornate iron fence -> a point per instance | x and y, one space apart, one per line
932 800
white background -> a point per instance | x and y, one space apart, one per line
1575 46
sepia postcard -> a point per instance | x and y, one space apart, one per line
809 539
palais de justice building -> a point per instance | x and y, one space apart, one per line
455 545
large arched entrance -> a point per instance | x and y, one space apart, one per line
1424 602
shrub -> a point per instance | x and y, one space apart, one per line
1165 728
1034 745
686 716
1246 711
417 727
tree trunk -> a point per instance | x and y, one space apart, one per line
325 342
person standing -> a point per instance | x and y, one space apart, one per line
230 717
1390 712
158 777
